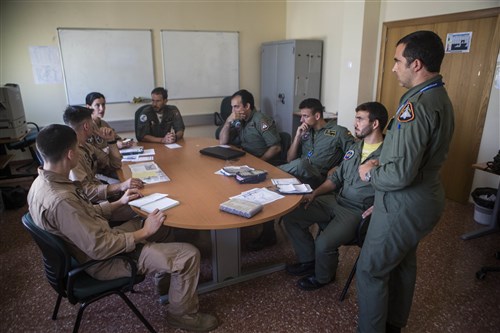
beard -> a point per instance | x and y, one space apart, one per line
363 133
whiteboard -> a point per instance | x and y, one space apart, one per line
116 63
200 64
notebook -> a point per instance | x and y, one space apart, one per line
224 153
153 201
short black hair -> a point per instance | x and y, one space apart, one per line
74 115
91 97
246 98
376 111
53 141
160 91
313 104
425 46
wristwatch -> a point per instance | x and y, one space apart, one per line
368 176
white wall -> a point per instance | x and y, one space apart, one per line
34 23
352 32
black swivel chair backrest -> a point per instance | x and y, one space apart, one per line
69 279
56 259
286 142
220 117
136 118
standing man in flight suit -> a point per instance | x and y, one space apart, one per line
409 196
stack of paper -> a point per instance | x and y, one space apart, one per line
295 188
132 151
233 169
154 201
148 172
241 207
285 181
146 155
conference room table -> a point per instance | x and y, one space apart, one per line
200 191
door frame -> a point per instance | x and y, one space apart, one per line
488 74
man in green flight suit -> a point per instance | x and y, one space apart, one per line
318 146
250 129
338 213
160 122
409 196
257 134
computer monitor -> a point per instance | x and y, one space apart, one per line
12 117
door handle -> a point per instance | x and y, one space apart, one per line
281 97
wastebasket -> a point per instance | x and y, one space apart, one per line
484 201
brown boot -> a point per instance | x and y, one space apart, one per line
199 322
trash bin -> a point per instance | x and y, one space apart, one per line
484 201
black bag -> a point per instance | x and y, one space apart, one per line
14 197
495 164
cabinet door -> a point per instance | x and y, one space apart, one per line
285 82
268 78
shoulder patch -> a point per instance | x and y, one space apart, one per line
143 118
264 126
330 132
349 154
407 114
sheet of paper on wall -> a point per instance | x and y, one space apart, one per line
259 195
148 172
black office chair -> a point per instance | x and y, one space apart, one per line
357 241
27 142
70 280
220 117
286 142
136 118
481 274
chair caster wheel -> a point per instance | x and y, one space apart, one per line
480 275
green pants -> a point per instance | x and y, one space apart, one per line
387 266
304 171
338 225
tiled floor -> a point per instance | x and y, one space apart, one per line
448 297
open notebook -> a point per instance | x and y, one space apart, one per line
153 201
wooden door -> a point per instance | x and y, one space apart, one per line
467 76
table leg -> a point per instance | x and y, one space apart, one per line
226 261
493 227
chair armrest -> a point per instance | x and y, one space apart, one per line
218 119
362 229
73 274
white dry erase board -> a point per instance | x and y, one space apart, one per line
200 64
116 63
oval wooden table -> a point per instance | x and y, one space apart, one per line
200 191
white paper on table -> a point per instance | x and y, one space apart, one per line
259 195
285 181
173 145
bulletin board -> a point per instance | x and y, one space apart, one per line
116 63
200 64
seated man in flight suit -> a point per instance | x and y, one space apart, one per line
256 133
337 214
